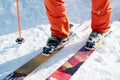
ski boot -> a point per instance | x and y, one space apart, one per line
52 44
55 43
95 39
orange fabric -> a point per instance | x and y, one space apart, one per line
101 15
56 12
57 16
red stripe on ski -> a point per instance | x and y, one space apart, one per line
73 61
65 72
83 55
79 57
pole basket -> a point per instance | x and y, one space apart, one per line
20 40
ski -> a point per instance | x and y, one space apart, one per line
35 62
40 59
68 69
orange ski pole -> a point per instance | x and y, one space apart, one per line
19 40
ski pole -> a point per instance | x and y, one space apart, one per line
19 40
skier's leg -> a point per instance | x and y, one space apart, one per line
56 13
101 15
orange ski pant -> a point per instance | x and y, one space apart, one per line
56 12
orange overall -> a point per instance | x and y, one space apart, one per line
56 12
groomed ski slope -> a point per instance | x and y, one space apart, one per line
104 64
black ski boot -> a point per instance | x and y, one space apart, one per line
55 43
52 44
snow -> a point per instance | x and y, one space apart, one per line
104 64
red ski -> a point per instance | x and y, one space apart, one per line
71 66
